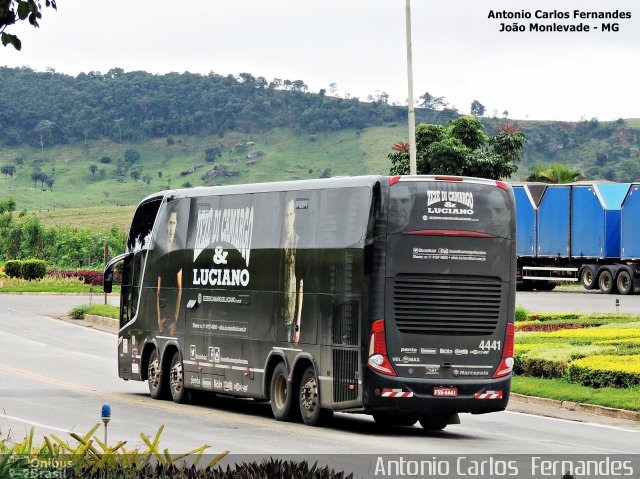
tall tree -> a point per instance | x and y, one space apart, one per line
477 108
12 11
462 148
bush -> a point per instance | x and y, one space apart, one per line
94 278
521 314
33 269
78 312
12 269
606 371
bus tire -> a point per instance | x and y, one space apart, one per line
545 286
282 395
434 423
390 419
176 379
624 283
606 283
588 277
309 400
155 377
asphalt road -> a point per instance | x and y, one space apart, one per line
577 300
55 376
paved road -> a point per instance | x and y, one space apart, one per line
56 375
577 300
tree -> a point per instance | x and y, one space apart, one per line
554 173
131 156
8 170
43 127
211 154
462 148
93 168
430 102
477 108
12 11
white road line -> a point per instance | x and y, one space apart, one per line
578 423
33 423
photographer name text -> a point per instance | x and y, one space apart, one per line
544 21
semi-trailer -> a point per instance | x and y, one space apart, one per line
587 232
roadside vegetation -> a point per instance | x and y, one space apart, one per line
590 358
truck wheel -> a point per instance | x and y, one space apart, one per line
176 379
389 419
155 377
310 410
624 283
282 395
588 277
606 283
545 286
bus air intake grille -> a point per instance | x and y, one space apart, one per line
345 375
446 305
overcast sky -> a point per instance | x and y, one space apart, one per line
360 45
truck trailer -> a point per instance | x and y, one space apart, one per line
584 232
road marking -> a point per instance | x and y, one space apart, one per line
594 424
33 423
146 401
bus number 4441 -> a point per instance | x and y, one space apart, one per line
488 345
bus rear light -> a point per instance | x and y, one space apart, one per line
378 360
501 184
448 178
506 364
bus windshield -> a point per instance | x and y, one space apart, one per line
449 206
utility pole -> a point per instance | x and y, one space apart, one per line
412 113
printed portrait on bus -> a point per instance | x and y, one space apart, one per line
169 249
400 207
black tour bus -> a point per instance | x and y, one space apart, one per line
389 296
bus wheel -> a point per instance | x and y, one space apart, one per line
389 419
176 379
606 283
588 277
282 396
623 282
310 410
156 380
433 423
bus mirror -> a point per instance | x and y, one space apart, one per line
108 281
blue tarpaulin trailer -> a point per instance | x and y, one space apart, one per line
587 232
595 219
630 224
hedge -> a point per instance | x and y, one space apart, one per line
30 269
606 371
94 278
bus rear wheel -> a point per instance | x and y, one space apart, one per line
310 410
176 379
390 419
284 404
155 377
433 423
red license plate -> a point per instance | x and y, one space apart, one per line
445 392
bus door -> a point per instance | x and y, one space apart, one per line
449 270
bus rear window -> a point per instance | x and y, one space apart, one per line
449 206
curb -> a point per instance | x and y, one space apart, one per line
101 321
579 407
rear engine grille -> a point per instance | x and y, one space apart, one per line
446 305
345 375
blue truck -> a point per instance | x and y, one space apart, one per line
586 232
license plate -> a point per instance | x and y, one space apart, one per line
445 392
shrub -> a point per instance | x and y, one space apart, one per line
606 371
78 312
521 314
33 269
94 278
12 269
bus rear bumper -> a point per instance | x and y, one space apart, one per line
421 396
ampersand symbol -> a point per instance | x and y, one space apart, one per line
220 256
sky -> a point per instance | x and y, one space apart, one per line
360 45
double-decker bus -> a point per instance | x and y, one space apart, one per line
389 296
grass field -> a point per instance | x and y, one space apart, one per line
287 156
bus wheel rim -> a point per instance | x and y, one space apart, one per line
154 373
176 377
309 396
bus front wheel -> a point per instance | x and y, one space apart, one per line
176 379
310 410
282 396
155 377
